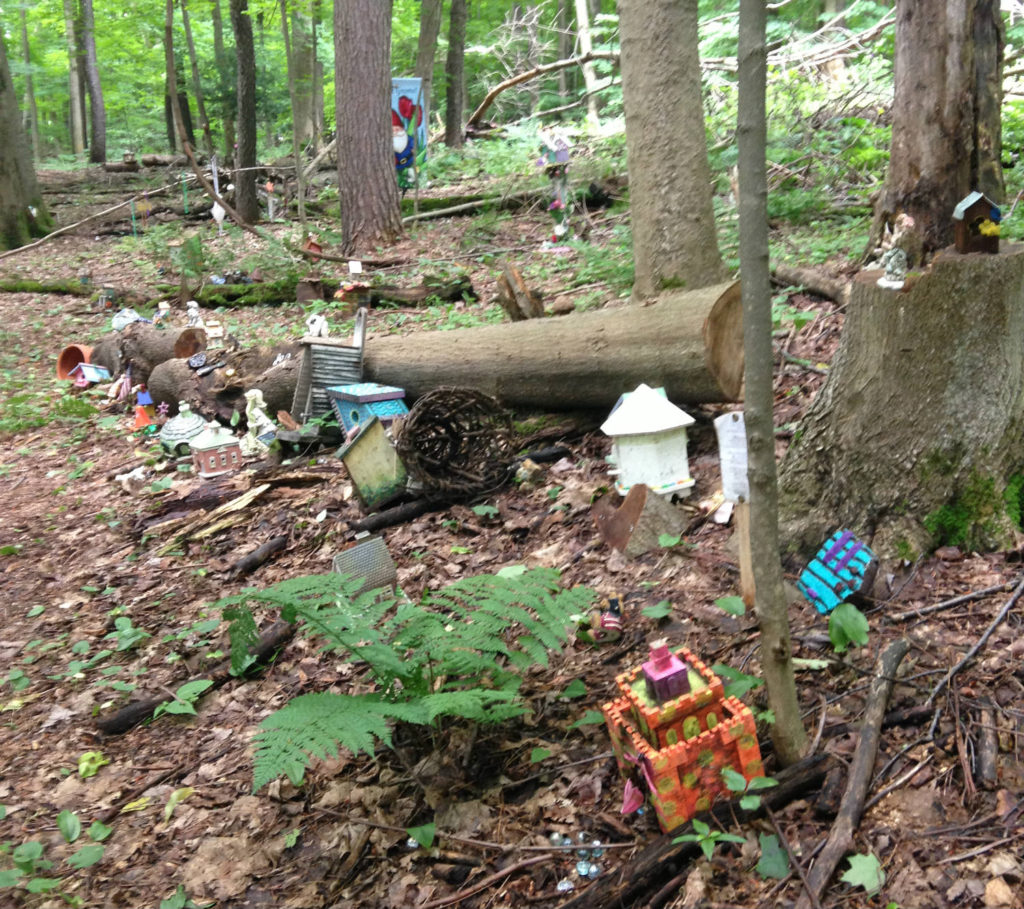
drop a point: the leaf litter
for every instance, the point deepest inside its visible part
(75, 561)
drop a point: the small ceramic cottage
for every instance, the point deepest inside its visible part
(976, 227)
(215, 451)
(649, 443)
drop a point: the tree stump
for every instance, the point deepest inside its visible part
(917, 435)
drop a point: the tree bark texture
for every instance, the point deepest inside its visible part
(367, 188)
(23, 214)
(689, 342)
(674, 242)
(946, 132)
(426, 50)
(776, 650)
(455, 74)
(921, 421)
(289, 53)
(77, 121)
(246, 202)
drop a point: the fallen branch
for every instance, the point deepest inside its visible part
(813, 280)
(136, 712)
(663, 859)
(485, 883)
(541, 70)
(840, 839)
(981, 642)
(947, 604)
(251, 561)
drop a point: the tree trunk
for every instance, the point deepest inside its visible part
(564, 49)
(426, 50)
(31, 111)
(917, 435)
(775, 647)
(303, 62)
(74, 80)
(246, 202)
(289, 56)
(172, 96)
(589, 73)
(674, 242)
(367, 188)
(689, 342)
(946, 133)
(220, 59)
(23, 214)
(455, 74)
(197, 88)
(98, 120)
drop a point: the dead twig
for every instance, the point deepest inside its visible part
(947, 604)
(485, 883)
(979, 644)
(794, 861)
(840, 839)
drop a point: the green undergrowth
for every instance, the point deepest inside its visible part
(458, 654)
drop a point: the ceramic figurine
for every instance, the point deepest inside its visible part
(895, 262)
(665, 675)
(316, 326)
(261, 429)
(195, 320)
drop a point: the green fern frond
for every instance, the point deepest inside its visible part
(459, 653)
(316, 724)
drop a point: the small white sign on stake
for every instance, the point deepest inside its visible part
(732, 447)
(355, 267)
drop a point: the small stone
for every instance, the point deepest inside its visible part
(565, 885)
(412, 843)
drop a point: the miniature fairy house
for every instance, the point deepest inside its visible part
(215, 451)
(355, 404)
(649, 443)
(976, 227)
(677, 747)
(179, 430)
(86, 374)
(374, 466)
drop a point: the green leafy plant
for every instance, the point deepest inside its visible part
(733, 605)
(658, 611)
(847, 625)
(89, 763)
(707, 838)
(737, 683)
(184, 698)
(774, 861)
(458, 653)
(424, 834)
(737, 783)
(865, 871)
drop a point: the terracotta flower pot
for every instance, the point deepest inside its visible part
(70, 357)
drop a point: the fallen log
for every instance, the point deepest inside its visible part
(813, 280)
(25, 286)
(690, 342)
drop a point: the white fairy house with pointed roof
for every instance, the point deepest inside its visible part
(649, 443)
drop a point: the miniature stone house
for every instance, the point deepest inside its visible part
(976, 224)
(215, 451)
(649, 443)
(678, 747)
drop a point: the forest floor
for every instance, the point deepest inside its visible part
(101, 606)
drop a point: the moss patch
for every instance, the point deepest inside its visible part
(976, 518)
